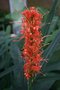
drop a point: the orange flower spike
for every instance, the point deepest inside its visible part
(31, 24)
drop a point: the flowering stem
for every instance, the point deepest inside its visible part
(31, 27)
(29, 84)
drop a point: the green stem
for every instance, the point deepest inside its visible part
(29, 84)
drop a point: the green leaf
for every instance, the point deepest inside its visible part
(18, 72)
(42, 10)
(51, 38)
(45, 82)
(56, 85)
(50, 17)
(50, 50)
(54, 62)
(8, 30)
(10, 69)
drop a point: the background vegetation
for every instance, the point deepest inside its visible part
(11, 63)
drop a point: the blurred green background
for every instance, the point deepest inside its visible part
(11, 63)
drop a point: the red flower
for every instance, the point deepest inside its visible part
(35, 68)
(32, 52)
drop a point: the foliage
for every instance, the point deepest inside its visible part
(11, 63)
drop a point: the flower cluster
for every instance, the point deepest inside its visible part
(32, 53)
